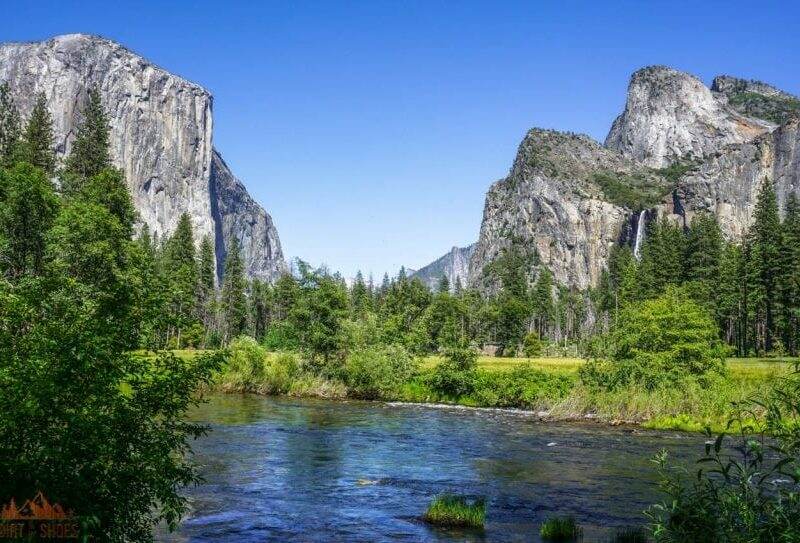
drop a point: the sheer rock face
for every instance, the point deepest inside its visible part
(237, 215)
(161, 137)
(550, 203)
(671, 115)
(728, 182)
(454, 265)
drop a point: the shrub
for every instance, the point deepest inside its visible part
(560, 529)
(524, 386)
(375, 372)
(456, 511)
(658, 343)
(245, 367)
(532, 345)
(741, 492)
(455, 375)
(279, 373)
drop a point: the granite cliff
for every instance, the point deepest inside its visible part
(678, 148)
(161, 138)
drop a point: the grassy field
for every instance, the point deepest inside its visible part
(753, 368)
(552, 385)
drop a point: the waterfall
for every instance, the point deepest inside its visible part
(637, 245)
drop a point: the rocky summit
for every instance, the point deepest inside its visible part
(161, 138)
(679, 148)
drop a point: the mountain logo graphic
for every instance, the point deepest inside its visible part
(38, 508)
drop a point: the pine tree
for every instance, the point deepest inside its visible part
(9, 127)
(36, 146)
(789, 279)
(662, 258)
(206, 294)
(233, 298)
(444, 284)
(360, 300)
(728, 295)
(765, 240)
(90, 151)
(180, 265)
(542, 302)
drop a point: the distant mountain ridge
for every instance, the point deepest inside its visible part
(454, 265)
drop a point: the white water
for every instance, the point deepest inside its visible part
(637, 246)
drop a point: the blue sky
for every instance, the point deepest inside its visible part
(371, 130)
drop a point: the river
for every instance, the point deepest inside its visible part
(282, 469)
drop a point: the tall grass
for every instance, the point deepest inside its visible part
(561, 529)
(456, 511)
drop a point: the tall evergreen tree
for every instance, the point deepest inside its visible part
(9, 127)
(765, 241)
(360, 299)
(542, 302)
(233, 297)
(206, 294)
(90, 151)
(36, 146)
(444, 284)
(789, 279)
(180, 265)
(662, 258)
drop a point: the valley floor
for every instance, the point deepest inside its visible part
(551, 387)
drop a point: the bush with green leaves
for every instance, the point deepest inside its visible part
(524, 386)
(532, 345)
(658, 343)
(245, 367)
(457, 374)
(375, 372)
(746, 487)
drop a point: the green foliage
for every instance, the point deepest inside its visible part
(745, 486)
(36, 147)
(560, 529)
(9, 127)
(251, 368)
(633, 191)
(376, 372)
(658, 343)
(28, 206)
(233, 298)
(524, 387)
(90, 151)
(317, 316)
(81, 419)
(456, 375)
(776, 109)
(532, 345)
(456, 511)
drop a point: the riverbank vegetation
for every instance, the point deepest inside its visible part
(453, 511)
(560, 529)
(85, 422)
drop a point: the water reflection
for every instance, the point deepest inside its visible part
(310, 470)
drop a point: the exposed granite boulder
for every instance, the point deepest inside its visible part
(671, 115)
(161, 137)
(454, 265)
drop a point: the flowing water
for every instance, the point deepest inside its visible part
(280, 469)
